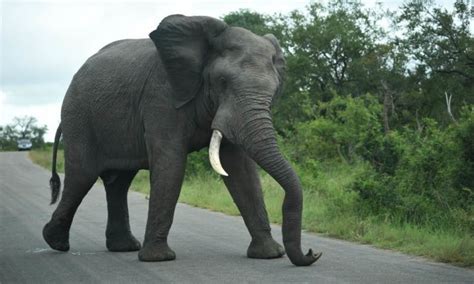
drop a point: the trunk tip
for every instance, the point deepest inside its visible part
(307, 259)
(315, 256)
(311, 258)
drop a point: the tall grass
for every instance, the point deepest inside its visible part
(43, 157)
(329, 209)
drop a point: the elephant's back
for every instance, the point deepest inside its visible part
(125, 53)
(110, 81)
(104, 97)
(120, 64)
(117, 70)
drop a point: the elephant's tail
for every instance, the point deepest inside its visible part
(55, 181)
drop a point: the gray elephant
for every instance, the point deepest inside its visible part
(145, 104)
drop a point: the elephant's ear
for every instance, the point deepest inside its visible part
(279, 61)
(183, 44)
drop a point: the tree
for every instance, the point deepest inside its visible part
(253, 21)
(22, 127)
(338, 48)
(8, 138)
(441, 45)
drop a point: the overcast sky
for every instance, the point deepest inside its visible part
(43, 43)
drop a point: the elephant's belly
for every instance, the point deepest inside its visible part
(122, 150)
(125, 164)
(120, 143)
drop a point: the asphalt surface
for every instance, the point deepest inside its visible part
(210, 246)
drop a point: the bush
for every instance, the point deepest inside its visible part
(422, 176)
(376, 194)
(197, 164)
(464, 133)
(429, 181)
(344, 129)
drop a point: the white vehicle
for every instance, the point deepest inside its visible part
(24, 144)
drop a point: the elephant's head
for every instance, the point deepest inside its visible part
(235, 75)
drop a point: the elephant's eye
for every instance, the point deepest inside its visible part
(222, 82)
(273, 58)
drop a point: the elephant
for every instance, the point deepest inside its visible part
(137, 104)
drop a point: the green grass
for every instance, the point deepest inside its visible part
(328, 209)
(43, 157)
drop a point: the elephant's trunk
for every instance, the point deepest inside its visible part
(257, 137)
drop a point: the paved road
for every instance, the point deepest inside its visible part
(210, 246)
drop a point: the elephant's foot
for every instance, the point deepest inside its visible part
(121, 243)
(56, 236)
(265, 248)
(156, 252)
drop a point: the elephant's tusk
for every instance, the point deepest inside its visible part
(214, 147)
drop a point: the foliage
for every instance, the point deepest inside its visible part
(247, 19)
(464, 134)
(198, 164)
(395, 109)
(441, 44)
(421, 177)
(24, 127)
(430, 181)
(342, 129)
(332, 49)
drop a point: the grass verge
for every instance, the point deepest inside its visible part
(328, 209)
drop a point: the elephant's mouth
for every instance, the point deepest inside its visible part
(214, 147)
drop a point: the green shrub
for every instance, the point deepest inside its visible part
(376, 194)
(421, 176)
(464, 133)
(429, 180)
(344, 129)
(197, 163)
(316, 139)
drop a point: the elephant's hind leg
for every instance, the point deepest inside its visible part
(118, 233)
(76, 185)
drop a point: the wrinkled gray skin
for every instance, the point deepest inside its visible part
(146, 104)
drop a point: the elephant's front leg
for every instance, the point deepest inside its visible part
(167, 165)
(244, 185)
